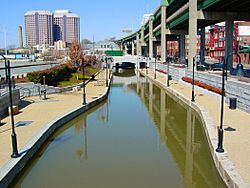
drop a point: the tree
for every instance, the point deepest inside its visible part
(75, 52)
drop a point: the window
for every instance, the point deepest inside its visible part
(216, 35)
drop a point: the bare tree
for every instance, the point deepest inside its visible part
(76, 53)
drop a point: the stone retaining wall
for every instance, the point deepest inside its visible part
(5, 100)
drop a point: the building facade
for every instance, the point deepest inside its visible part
(43, 28)
(241, 38)
(38, 28)
(66, 26)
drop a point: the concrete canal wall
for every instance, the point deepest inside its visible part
(224, 166)
(10, 171)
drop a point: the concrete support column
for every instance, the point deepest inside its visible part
(182, 51)
(202, 45)
(133, 48)
(229, 43)
(151, 43)
(163, 33)
(126, 48)
(142, 38)
(192, 31)
(138, 47)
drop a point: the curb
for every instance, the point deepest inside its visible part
(225, 167)
(14, 166)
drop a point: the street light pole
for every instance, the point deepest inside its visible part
(83, 83)
(168, 84)
(193, 96)
(147, 66)
(106, 71)
(15, 153)
(155, 67)
(220, 129)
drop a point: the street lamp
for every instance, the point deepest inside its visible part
(147, 64)
(83, 83)
(169, 77)
(220, 129)
(76, 65)
(15, 153)
(193, 96)
(106, 59)
(155, 67)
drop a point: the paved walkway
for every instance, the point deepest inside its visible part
(237, 139)
(40, 112)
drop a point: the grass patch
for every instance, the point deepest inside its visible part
(73, 80)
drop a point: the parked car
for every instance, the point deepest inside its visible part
(214, 66)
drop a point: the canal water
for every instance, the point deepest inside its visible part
(138, 138)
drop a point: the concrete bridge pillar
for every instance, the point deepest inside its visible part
(142, 39)
(182, 51)
(163, 32)
(126, 48)
(192, 31)
(138, 46)
(151, 37)
(133, 48)
(229, 43)
(202, 45)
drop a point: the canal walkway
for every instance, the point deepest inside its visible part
(37, 113)
(237, 131)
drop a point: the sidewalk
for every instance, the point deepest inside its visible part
(236, 123)
(38, 113)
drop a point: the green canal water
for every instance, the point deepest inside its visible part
(138, 138)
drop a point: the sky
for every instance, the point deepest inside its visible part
(99, 18)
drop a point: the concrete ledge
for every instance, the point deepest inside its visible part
(225, 167)
(12, 168)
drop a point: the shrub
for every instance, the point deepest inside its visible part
(52, 76)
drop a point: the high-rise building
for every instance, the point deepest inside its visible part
(38, 28)
(66, 26)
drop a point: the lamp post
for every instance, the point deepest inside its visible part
(15, 153)
(83, 83)
(193, 96)
(147, 63)
(220, 129)
(76, 65)
(107, 71)
(168, 84)
(155, 68)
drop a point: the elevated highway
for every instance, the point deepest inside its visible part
(174, 19)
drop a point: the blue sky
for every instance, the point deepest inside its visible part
(99, 18)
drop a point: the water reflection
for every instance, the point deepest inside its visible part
(82, 153)
(184, 137)
(140, 137)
